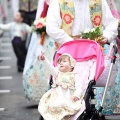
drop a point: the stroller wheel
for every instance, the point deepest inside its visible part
(83, 117)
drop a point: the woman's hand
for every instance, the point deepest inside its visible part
(75, 98)
(76, 37)
(104, 41)
(42, 57)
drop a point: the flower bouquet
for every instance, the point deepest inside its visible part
(39, 26)
(93, 34)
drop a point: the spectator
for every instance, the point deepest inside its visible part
(18, 32)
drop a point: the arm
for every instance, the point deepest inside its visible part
(52, 70)
(78, 87)
(6, 26)
(109, 22)
(53, 24)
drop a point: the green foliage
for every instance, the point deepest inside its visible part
(93, 34)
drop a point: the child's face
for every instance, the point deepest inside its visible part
(64, 65)
(18, 17)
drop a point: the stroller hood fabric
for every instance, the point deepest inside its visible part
(83, 50)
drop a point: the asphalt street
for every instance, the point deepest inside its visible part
(13, 100)
(11, 87)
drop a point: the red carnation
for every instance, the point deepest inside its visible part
(97, 20)
(39, 25)
(67, 18)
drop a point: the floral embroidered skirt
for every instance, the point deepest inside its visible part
(58, 104)
(35, 79)
(112, 101)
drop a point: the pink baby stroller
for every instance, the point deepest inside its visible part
(87, 51)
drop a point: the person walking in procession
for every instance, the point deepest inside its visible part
(68, 19)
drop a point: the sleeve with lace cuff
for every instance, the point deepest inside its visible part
(48, 66)
(78, 87)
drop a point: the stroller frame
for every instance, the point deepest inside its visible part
(91, 113)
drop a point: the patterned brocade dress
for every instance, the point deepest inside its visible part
(57, 103)
(112, 101)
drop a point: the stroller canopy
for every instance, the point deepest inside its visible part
(83, 50)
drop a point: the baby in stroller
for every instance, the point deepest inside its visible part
(65, 98)
(84, 64)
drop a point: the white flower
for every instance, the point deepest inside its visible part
(87, 30)
(36, 22)
(41, 20)
(92, 30)
(44, 23)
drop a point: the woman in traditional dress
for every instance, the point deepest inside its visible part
(34, 51)
(71, 18)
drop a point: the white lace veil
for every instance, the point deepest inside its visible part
(112, 5)
(34, 44)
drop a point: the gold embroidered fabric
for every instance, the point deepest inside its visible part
(28, 5)
(67, 12)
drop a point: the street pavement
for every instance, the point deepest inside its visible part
(14, 102)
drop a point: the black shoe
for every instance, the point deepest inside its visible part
(20, 70)
(41, 118)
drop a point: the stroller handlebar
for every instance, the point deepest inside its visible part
(114, 47)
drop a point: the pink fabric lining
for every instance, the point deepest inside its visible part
(83, 50)
(118, 40)
(113, 8)
(115, 14)
(79, 113)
